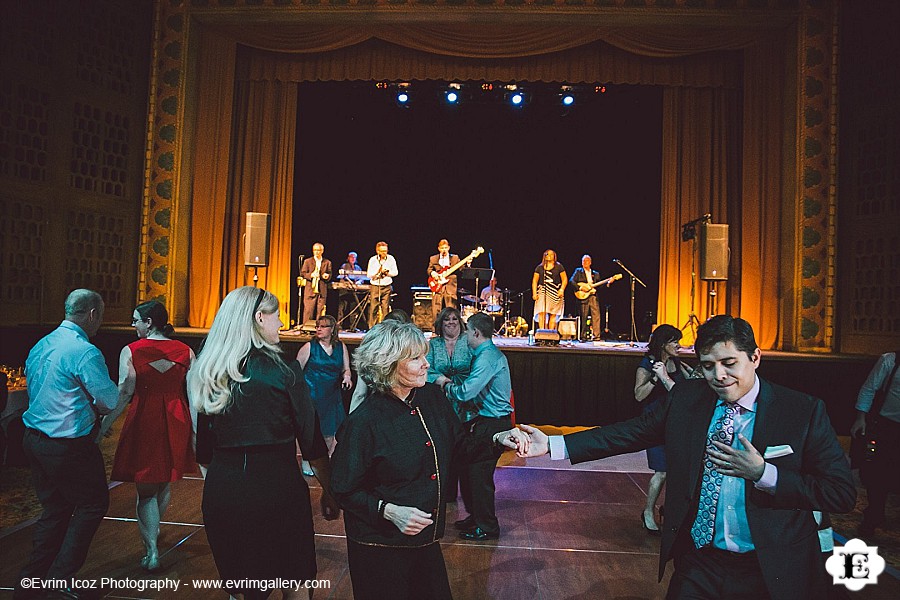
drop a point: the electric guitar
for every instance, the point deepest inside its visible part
(437, 283)
(586, 290)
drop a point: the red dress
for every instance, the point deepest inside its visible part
(155, 444)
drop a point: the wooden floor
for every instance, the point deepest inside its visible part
(566, 533)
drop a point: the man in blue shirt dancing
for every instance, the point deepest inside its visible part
(68, 388)
(489, 388)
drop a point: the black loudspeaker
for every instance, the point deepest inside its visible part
(421, 315)
(713, 252)
(256, 240)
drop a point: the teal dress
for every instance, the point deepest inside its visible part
(456, 367)
(323, 375)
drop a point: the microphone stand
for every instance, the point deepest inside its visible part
(299, 294)
(633, 279)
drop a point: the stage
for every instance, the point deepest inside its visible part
(575, 383)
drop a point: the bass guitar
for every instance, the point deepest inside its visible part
(584, 290)
(436, 284)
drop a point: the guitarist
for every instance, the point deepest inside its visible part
(582, 279)
(446, 295)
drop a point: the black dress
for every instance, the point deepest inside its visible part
(256, 505)
(656, 456)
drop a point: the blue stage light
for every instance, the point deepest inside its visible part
(568, 99)
(516, 99)
(402, 98)
(452, 97)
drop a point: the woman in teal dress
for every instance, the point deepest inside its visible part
(326, 368)
(449, 355)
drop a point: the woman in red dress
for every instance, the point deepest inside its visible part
(155, 444)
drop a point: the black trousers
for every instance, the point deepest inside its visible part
(379, 299)
(590, 305)
(879, 476)
(715, 574)
(476, 479)
(379, 572)
(70, 481)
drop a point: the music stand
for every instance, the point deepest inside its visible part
(477, 275)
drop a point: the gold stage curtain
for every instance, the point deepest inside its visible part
(211, 148)
(375, 60)
(700, 174)
(262, 181)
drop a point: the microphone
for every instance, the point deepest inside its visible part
(706, 217)
(616, 260)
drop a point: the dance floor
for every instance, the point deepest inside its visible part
(567, 532)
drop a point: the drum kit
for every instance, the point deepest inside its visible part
(495, 305)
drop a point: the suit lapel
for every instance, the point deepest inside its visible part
(697, 434)
(765, 408)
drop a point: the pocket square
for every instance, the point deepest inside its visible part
(776, 451)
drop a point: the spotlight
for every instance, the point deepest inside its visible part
(403, 96)
(453, 93)
(567, 99)
(516, 99)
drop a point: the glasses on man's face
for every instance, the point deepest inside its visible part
(322, 326)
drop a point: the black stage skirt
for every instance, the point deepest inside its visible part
(258, 517)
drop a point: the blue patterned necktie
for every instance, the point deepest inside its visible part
(702, 529)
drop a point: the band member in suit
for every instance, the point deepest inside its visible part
(316, 273)
(381, 271)
(446, 296)
(348, 299)
(582, 279)
(767, 457)
(548, 288)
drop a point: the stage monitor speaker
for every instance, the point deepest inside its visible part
(421, 315)
(256, 240)
(546, 337)
(714, 252)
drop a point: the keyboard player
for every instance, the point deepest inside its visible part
(350, 299)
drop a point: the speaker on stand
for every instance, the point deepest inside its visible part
(714, 258)
(256, 242)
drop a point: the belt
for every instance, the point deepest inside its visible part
(41, 434)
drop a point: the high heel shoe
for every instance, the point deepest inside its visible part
(646, 527)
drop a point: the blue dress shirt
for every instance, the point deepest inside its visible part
(68, 384)
(488, 384)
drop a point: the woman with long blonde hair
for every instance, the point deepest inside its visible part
(256, 504)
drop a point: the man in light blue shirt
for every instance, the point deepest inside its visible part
(68, 388)
(489, 388)
(748, 463)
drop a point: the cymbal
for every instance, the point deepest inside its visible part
(472, 299)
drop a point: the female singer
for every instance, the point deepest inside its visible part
(548, 287)
(659, 371)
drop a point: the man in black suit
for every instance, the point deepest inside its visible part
(748, 530)
(316, 274)
(582, 280)
(446, 295)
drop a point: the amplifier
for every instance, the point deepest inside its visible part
(421, 293)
